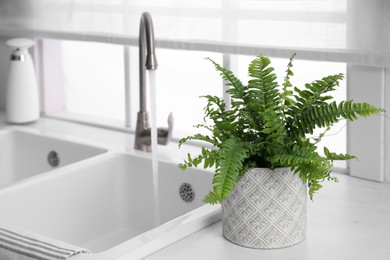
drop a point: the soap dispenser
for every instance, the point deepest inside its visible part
(22, 99)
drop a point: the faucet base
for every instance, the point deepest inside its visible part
(142, 135)
(143, 139)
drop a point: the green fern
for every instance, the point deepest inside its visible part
(268, 126)
(237, 88)
(230, 164)
(325, 114)
(313, 94)
(337, 157)
(212, 198)
(262, 91)
(286, 94)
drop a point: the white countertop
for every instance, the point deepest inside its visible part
(347, 220)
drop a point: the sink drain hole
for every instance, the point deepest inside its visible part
(187, 193)
(53, 159)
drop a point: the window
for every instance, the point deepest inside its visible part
(93, 79)
(84, 80)
(93, 88)
(181, 78)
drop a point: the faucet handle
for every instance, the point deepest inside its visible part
(165, 133)
(170, 124)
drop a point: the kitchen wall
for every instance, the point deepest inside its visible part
(4, 58)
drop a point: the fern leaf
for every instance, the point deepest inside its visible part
(262, 88)
(290, 160)
(325, 115)
(237, 88)
(210, 157)
(274, 131)
(212, 198)
(231, 160)
(349, 109)
(314, 186)
(261, 93)
(191, 162)
(313, 93)
(286, 93)
(337, 157)
(286, 84)
(298, 155)
(198, 137)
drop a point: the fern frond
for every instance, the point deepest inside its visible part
(260, 94)
(314, 174)
(224, 121)
(274, 131)
(286, 93)
(198, 137)
(289, 160)
(306, 162)
(262, 91)
(204, 126)
(212, 198)
(298, 154)
(286, 82)
(191, 162)
(313, 186)
(313, 93)
(237, 88)
(325, 115)
(337, 157)
(210, 157)
(230, 166)
(349, 109)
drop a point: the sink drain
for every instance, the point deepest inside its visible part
(187, 193)
(53, 159)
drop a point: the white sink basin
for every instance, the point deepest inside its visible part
(23, 154)
(106, 205)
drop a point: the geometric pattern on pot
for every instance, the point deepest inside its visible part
(266, 209)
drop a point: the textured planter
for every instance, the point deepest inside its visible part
(266, 209)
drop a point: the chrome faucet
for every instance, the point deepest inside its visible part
(147, 61)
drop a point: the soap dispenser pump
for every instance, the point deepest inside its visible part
(22, 99)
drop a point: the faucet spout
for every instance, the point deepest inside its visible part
(147, 61)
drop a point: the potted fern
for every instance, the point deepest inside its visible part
(263, 155)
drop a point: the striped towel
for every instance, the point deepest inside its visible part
(16, 244)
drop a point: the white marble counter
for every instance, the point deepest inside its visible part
(349, 220)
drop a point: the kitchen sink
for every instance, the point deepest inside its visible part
(24, 155)
(107, 205)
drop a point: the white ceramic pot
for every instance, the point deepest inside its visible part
(266, 209)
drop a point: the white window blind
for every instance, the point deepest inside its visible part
(354, 31)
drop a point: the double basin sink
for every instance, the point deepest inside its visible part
(98, 199)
